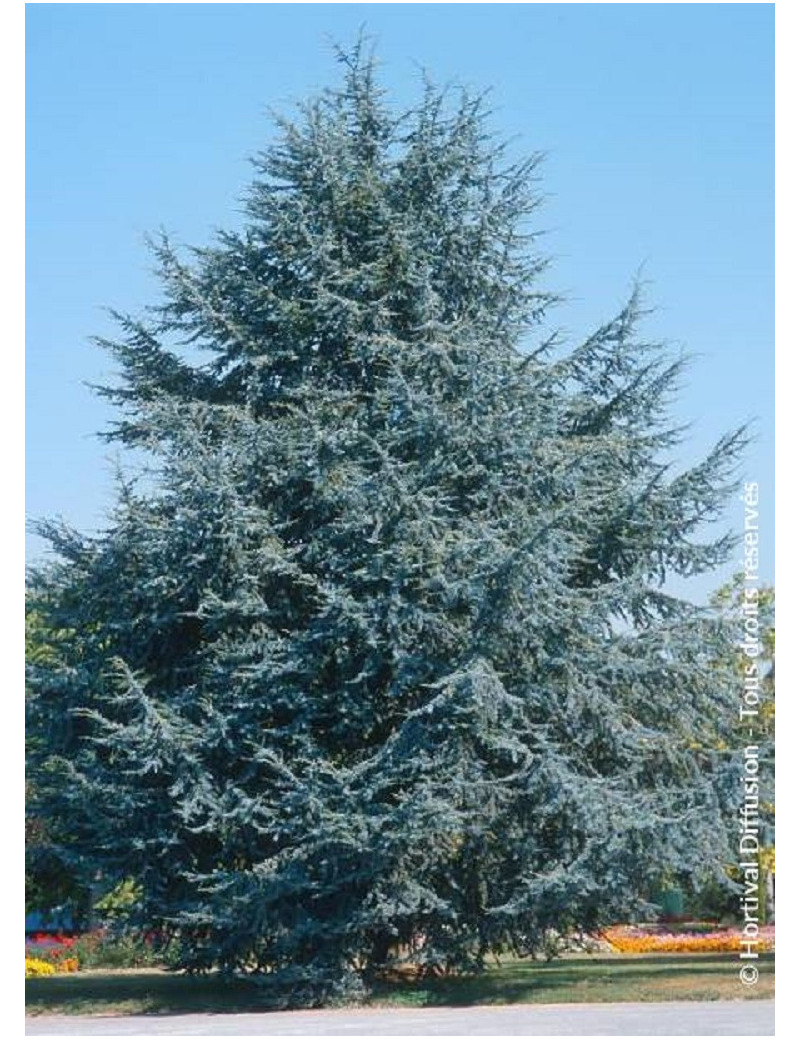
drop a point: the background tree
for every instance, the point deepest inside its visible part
(376, 661)
(51, 880)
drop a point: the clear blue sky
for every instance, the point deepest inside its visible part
(657, 121)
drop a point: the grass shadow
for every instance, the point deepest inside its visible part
(603, 979)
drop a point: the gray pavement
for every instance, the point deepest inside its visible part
(676, 1018)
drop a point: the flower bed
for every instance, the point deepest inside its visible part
(49, 955)
(35, 967)
(97, 949)
(636, 939)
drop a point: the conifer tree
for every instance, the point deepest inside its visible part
(376, 662)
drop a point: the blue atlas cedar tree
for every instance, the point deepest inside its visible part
(377, 662)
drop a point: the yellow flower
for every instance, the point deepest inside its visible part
(34, 967)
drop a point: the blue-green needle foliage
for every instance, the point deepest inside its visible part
(376, 663)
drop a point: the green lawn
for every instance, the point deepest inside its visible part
(580, 979)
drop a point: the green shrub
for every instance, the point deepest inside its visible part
(102, 949)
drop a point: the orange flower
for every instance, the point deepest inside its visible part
(628, 939)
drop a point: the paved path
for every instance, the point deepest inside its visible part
(677, 1018)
